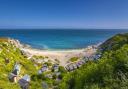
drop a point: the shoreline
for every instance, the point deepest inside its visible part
(63, 56)
(27, 46)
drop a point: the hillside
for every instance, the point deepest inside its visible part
(13, 60)
(109, 72)
(115, 42)
(9, 55)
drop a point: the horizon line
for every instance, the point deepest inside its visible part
(64, 28)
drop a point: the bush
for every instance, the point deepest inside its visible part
(73, 59)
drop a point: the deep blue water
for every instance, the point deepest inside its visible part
(60, 39)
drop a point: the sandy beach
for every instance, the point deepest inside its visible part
(62, 55)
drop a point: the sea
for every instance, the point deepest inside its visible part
(60, 38)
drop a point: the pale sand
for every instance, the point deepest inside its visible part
(63, 56)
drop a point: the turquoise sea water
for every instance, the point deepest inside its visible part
(60, 39)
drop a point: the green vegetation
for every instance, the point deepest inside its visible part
(73, 59)
(115, 42)
(9, 55)
(110, 72)
(39, 57)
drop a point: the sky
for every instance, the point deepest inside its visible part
(107, 14)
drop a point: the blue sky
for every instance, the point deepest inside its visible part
(64, 14)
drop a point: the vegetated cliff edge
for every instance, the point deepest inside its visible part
(109, 72)
(9, 55)
(115, 42)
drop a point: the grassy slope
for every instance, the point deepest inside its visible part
(115, 42)
(110, 72)
(8, 51)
